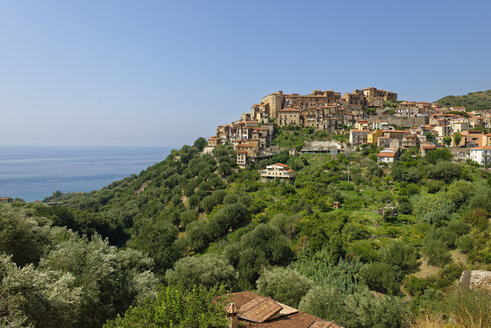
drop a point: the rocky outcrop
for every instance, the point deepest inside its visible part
(476, 279)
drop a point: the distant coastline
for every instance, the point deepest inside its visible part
(35, 172)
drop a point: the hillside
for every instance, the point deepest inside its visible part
(480, 100)
(404, 231)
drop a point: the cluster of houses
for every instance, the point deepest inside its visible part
(368, 116)
(442, 130)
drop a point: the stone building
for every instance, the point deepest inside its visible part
(376, 97)
(289, 116)
(274, 102)
(315, 99)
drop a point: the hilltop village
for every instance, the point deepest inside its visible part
(368, 117)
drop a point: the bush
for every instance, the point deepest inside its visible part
(437, 155)
(416, 286)
(198, 235)
(364, 310)
(399, 254)
(364, 250)
(458, 227)
(176, 307)
(287, 224)
(284, 285)
(323, 302)
(465, 243)
(381, 277)
(263, 246)
(445, 171)
(208, 270)
(436, 251)
(434, 186)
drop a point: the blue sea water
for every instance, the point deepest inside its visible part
(35, 172)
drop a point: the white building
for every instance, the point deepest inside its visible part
(388, 155)
(459, 125)
(481, 155)
(278, 170)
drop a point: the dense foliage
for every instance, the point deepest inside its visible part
(194, 222)
(480, 100)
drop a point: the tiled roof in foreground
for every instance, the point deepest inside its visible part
(263, 312)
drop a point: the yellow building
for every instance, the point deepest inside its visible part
(372, 137)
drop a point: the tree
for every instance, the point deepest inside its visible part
(399, 254)
(381, 277)
(447, 140)
(457, 137)
(157, 240)
(198, 235)
(109, 281)
(208, 270)
(323, 302)
(364, 310)
(287, 224)
(200, 143)
(440, 154)
(32, 298)
(22, 235)
(263, 246)
(176, 307)
(284, 285)
(430, 137)
(436, 251)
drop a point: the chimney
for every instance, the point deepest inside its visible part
(231, 311)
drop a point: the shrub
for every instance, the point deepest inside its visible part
(287, 224)
(416, 286)
(436, 251)
(365, 310)
(458, 227)
(380, 277)
(465, 243)
(198, 235)
(434, 186)
(284, 285)
(364, 250)
(208, 270)
(176, 307)
(399, 254)
(323, 302)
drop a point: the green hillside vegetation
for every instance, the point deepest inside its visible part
(196, 223)
(480, 100)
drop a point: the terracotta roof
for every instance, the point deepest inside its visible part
(282, 165)
(259, 309)
(241, 152)
(324, 324)
(428, 146)
(386, 154)
(290, 318)
(482, 148)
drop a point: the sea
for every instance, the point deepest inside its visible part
(35, 172)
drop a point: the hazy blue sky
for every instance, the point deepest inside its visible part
(166, 72)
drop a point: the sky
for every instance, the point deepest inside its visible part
(163, 73)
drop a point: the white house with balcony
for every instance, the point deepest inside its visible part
(481, 155)
(277, 171)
